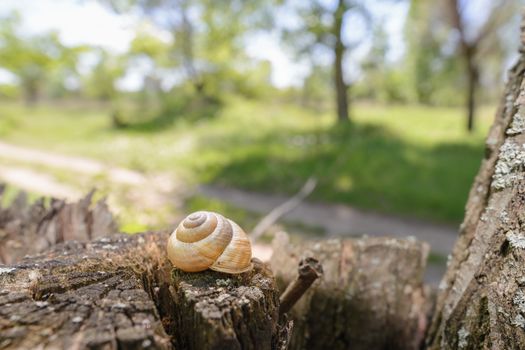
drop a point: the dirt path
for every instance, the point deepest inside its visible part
(30, 180)
(336, 220)
(75, 164)
(342, 220)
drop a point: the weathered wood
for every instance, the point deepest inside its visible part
(370, 296)
(121, 292)
(27, 229)
(481, 301)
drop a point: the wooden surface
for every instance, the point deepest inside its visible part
(370, 296)
(121, 293)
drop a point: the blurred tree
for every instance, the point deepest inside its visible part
(454, 46)
(147, 44)
(472, 36)
(33, 59)
(206, 37)
(101, 82)
(324, 23)
(65, 79)
(341, 89)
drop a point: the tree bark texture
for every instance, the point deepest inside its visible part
(481, 301)
(370, 296)
(122, 293)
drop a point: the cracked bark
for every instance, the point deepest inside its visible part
(480, 303)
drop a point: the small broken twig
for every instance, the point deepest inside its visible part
(309, 270)
(283, 208)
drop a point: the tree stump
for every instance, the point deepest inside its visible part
(481, 301)
(371, 295)
(121, 292)
(27, 229)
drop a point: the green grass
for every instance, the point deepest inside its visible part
(411, 160)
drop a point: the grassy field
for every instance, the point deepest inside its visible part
(411, 160)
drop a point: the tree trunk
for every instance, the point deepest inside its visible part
(468, 50)
(30, 93)
(341, 89)
(370, 297)
(481, 301)
(472, 81)
(121, 292)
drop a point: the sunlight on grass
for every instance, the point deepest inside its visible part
(412, 160)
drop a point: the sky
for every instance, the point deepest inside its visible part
(88, 22)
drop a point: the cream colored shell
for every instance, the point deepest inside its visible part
(209, 240)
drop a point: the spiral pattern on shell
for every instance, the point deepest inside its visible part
(209, 240)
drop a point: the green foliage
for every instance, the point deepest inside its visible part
(101, 83)
(207, 42)
(320, 27)
(181, 104)
(8, 122)
(317, 89)
(434, 58)
(34, 59)
(9, 92)
(382, 80)
(149, 45)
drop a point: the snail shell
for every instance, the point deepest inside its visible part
(209, 240)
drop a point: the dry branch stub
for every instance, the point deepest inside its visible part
(371, 294)
(309, 270)
(121, 292)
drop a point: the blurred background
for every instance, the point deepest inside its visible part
(170, 106)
